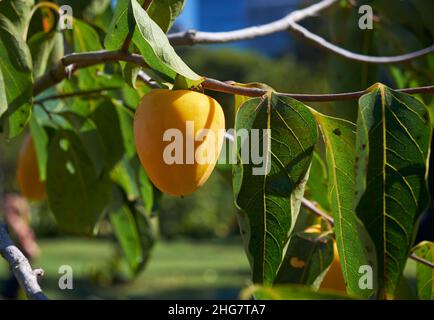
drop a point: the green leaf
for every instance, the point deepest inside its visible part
(125, 229)
(3, 98)
(76, 195)
(108, 125)
(424, 273)
(307, 259)
(146, 191)
(352, 241)
(40, 141)
(291, 292)
(317, 183)
(120, 26)
(131, 71)
(126, 125)
(86, 39)
(270, 202)
(393, 139)
(124, 175)
(41, 46)
(164, 12)
(16, 67)
(18, 12)
(156, 49)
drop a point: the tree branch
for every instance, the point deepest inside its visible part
(74, 61)
(309, 205)
(324, 44)
(192, 37)
(26, 276)
(289, 22)
(81, 60)
(415, 257)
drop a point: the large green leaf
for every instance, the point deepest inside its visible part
(270, 201)
(135, 236)
(16, 67)
(291, 292)
(120, 26)
(107, 122)
(42, 45)
(353, 245)
(164, 12)
(146, 191)
(18, 12)
(317, 183)
(156, 49)
(307, 259)
(393, 138)
(124, 175)
(76, 194)
(424, 273)
(40, 141)
(86, 39)
(126, 125)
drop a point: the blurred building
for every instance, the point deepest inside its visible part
(225, 15)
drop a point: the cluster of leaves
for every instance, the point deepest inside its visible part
(84, 143)
(377, 189)
(374, 170)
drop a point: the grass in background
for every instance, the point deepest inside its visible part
(177, 270)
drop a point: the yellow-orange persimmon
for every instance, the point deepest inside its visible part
(178, 136)
(28, 179)
(334, 279)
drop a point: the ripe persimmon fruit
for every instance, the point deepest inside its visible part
(28, 178)
(178, 136)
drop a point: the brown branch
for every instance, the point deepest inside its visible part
(129, 37)
(324, 44)
(216, 85)
(195, 37)
(421, 260)
(289, 23)
(314, 209)
(81, 60)
(26, 276)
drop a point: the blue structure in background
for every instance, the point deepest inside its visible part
(225, 15)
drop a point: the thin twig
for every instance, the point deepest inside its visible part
(314, 209)
(75, 94)
(421, 260)
(148, 79)
(82, 60)
(129, 37)
(26, 276)
(324, 44)
(195, 37)
(289, 22)
(86, 59)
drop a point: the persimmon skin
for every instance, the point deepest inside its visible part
(161, 110)
(334, 279)
(28, 179)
